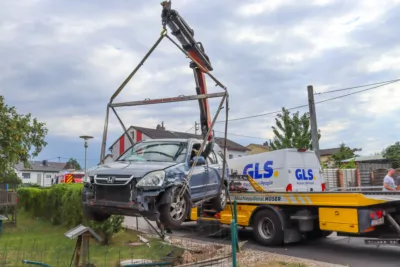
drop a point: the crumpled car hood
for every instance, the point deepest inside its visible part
(136, 168)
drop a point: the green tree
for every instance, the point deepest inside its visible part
(73, 164)
(107, 228)
(392, 153)
(344, 153)
(21, 137)
(292, 131)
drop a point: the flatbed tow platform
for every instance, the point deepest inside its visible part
(285, 217)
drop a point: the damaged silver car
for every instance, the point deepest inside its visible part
(147, 180)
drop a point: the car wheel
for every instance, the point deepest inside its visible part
(173, 214)
(267, 228)
(92, 215)
(219, 203)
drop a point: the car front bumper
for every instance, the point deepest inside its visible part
(121, 200)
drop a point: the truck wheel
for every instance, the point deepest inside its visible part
(219, 203)
(88, 213)
(173, 214)
(267, 228)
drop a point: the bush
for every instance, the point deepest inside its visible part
(61, 205)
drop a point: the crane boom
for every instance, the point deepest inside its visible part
(181, 30)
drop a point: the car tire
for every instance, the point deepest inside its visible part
(267, 228)
(92, 215)
(219, 203)
(174, 213)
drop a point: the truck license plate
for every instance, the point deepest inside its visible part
(382, 241)
(377, 222)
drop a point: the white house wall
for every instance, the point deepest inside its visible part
(235, 153)
(45, 177)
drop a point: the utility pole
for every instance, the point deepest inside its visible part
(313, 118)
(196, 127)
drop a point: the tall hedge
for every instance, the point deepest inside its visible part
(61, 205)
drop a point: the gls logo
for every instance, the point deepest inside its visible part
(254, 170)
(302, 175)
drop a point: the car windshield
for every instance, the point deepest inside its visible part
(162, 151)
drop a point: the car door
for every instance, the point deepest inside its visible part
(215, 173)
(199, 179)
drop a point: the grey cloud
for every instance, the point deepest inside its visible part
(63, 82)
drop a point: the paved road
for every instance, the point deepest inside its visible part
(334, 249)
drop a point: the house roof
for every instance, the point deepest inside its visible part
(162, 134)
(257, 145)
(38, 166)
(328, 151)
(366, 158)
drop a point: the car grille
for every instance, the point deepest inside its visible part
(120, 193)
(117, 179)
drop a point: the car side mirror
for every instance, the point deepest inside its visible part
(200, 161)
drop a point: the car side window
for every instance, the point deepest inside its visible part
(212, 159)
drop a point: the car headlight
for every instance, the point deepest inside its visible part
(152, 179)
(86, 178)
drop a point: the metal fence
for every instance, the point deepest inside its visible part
(331, 177)
(175, 251)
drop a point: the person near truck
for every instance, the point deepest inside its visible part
(398, 179)
(388, 181)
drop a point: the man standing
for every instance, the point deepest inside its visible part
(398, 179)
(388, 181)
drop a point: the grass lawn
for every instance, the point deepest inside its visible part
(38, 240)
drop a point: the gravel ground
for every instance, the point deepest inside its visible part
(201, 251)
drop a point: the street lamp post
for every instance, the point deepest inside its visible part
(86, 138)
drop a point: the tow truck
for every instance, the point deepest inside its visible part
(278, 218)
(275, 217)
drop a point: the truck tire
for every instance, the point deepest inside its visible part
(267, 228)
(219, 203)
(92, 215)
(173, 214)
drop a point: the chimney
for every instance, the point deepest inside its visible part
(160, 127)
(44, 162)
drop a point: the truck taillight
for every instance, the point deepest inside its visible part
(302, 150)
(379, 214)
(376, 214)
(323, 187)
(289, 188)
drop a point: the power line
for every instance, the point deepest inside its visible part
(359, 86)
(360, 91)
(190, 128)
(242, 135)
(317, 102)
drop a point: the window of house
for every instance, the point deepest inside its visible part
(26, 175)
(48, 175)
(133, 136)
(230, 156)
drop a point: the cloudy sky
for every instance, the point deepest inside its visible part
(62, 60)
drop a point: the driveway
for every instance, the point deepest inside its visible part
(333, 249)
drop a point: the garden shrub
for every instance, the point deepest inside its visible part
(61, 204)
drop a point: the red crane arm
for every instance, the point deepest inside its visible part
(181, 30)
